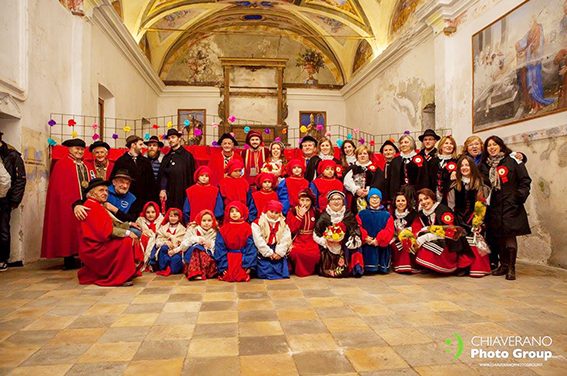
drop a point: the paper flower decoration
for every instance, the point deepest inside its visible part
(349, 136)
(214, 143)
(284, 131)
(303, 129)
(114, 136)
(169, 124)
(127, 128)
(361, 141)
(372, 143)
(231, 119)
(232, 134)
(155, 126)
(94, 126)
(96, 136)
(51, 122)
(246, 129)
(74, 134)
(339, 142)
(197, 132)
(278, 139)
(328, 134)
(186, 122)
(319, 127)
(214, 125)
(71, 122)
(407, 132)
(51, 142)
(267, 131)
(356, 131)
(164, 136)
(147, 136)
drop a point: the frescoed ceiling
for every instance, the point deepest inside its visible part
(178, 33)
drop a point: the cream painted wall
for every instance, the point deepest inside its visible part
(64, 57)
(392, 101)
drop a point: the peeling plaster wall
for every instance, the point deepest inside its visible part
(547, 156)
(392, 102)
(65, 58)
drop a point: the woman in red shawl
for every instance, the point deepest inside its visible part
(107, 254)
(235, 252)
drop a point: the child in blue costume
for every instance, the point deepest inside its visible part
(377, 227)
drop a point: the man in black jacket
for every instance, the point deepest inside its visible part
(14, 164)
(176, 171)
(144, 185)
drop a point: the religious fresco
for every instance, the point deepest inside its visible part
(363, 55)
(198, 62)
(402, 13)
(520, 65)
(174, 21)
(332, 27)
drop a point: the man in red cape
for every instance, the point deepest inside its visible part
(107, 252)
(68, 177)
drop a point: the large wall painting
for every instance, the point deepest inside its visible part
(520, 65)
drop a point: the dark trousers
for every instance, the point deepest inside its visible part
(5, 214)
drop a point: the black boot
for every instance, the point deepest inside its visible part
(504, 262)
(70, 263)
(512, 253)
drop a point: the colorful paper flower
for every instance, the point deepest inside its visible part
(246, 129)
(186, 122)
(197, 132)
(51, 122)
(356, 130)
(361, 141)
(278, 139)
(115, 136)
(328, 134)
(94, 126)
(127, 128)
(303, 129)
(349, 136)
(231, 119)
(96, 136)
(339, 142)
(155, 126)
(372, 143)
(214, 125)
(284, 131)
(169, 124)
(267, 131)
(214, 143)
(319, 127)
(147, 136)
(74, 134)
(164, 136)
(51, 142)
(71, 122)
(407, 132)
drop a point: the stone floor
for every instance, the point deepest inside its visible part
(379, 325)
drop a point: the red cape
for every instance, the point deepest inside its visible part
(106, 261)
(60, 227)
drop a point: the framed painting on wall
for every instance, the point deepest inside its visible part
(315, 123)
(520, 65)
(191, 123)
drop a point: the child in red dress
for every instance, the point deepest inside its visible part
(325, 183)
(202, 196)
(289, 188)
(234, 187)
(265, 193)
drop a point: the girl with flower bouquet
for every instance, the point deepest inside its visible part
(362, 176)
(441, 242)
(468, 200)
(338, 235)
(377, 227)
(406, 227)
(442, 168)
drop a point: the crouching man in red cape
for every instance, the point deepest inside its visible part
(107, 252)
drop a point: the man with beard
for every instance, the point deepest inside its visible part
(139, 168)
(176, 172)
(253, 157)
(101, 165)
(428, 140)
(154, 154)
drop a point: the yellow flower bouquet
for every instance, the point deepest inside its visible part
(334, 233)
(479, 213)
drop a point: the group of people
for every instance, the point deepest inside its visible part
(267, 212)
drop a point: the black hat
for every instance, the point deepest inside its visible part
(96, 182)
(229, 136)
(132, 139)
(74, 142)
(391, 143)
(173, 132)
(429, 132)
(98, 144)
(154, 139)
(122, 173)
(308, 138)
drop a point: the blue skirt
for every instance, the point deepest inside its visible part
(269, 269)
(376, 259)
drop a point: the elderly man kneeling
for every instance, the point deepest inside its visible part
(107, 253)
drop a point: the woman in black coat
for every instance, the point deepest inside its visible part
(506, 217)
